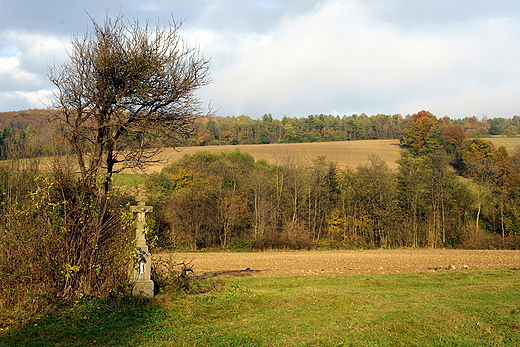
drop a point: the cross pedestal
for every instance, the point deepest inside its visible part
(141, 271)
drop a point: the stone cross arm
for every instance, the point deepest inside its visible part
(141, 205)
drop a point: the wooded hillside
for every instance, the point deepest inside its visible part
(446, 191)
(28, 133)
(439, 188)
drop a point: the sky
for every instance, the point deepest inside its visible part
(294, 58)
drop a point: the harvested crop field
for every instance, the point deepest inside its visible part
(301, 263)
(346, 154)
(510, 143)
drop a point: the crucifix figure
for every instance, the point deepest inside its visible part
(141, 274)
(140, 223)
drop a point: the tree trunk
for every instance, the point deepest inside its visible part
(478, 217)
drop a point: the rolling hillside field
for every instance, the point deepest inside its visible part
(510, 143)
(346, 154)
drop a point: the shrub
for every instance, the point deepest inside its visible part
(59, 238)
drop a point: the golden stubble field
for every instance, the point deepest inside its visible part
(346, 154)
(512, 144)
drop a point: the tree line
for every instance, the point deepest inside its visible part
(448, 191)
(25, 134)
(29, 134)
(322, 128)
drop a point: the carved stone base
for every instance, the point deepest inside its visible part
(143, 288)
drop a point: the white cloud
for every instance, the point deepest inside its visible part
(13, 76)
(8, 63)
(201, 38)
(17, 100)
(298, 57)
(23, 68)
(341, 57)
(26, 70)
(36, 50)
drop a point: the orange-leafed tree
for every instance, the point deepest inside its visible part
(452, 137)
(418, 131)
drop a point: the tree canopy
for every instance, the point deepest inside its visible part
(127, 89)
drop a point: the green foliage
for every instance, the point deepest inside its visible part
(433, 196)
(59, 238)
(423, 133)
(201, 198)
(130, 180)
(221, 200)
(313, 128)
(480, 158)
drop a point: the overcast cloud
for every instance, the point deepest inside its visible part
(299, 57)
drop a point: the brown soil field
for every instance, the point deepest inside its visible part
(346, 154)
(355, 262)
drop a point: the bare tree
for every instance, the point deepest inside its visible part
(127, 90)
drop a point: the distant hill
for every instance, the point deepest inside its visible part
(346, 154)
(22, 119)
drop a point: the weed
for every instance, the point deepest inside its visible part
(171, 277)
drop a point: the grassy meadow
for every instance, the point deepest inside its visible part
(445, 308)
(456, 308)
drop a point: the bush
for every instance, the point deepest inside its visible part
(59, 238)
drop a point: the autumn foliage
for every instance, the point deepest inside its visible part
(448, 190)
(228, 200)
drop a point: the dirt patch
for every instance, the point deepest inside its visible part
(303, 263)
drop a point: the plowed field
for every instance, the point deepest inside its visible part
(345, 262)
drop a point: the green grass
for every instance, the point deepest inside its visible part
(464, 308)
(130, 180)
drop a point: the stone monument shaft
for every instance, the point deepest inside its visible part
(143, 284)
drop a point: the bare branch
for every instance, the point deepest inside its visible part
(126, 89)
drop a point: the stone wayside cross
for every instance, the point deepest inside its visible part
(141, 272)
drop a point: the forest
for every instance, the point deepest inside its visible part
(320, 128)
(452, 188)
(29, 133)
(449, 191)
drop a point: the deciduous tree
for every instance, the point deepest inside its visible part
(418, 131)
(126, 89)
